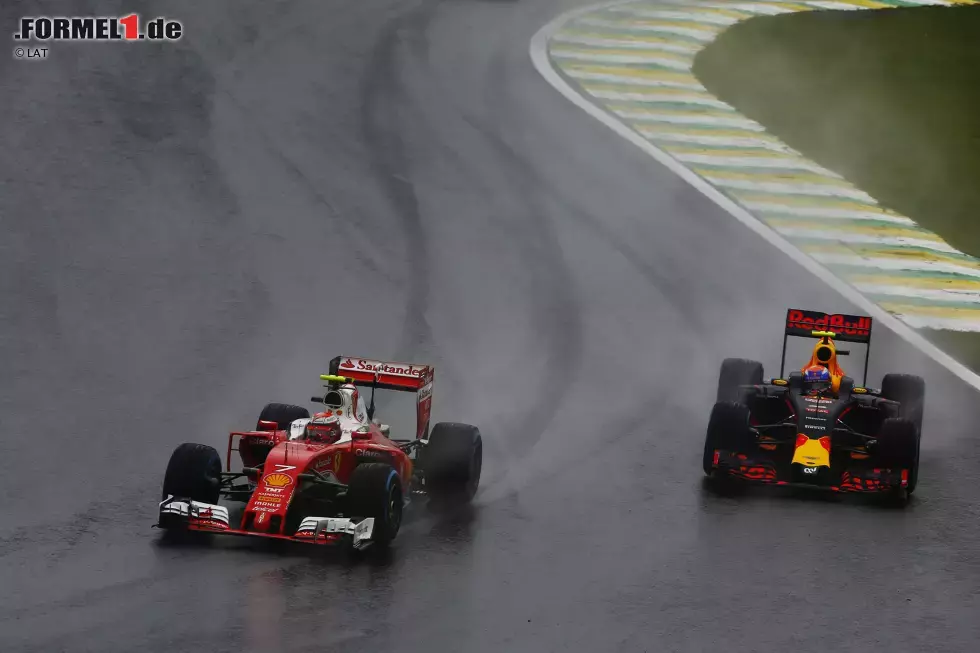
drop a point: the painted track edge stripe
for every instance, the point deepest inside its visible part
(542, 63)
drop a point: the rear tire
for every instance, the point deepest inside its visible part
(194, 471)
(728, 430)
(898, 447)
(910, 392)
(375, 490)
(452, 462)
(737, 372)
(281, 414)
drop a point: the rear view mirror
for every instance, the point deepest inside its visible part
(385, 429)
(265, 425)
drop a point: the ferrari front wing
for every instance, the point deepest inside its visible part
(184, 513)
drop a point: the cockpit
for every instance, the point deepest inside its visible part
(343, 406)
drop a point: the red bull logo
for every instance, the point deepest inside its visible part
(839, 323)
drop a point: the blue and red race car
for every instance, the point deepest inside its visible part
(815, 426)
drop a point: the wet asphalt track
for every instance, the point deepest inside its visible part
(191, 230)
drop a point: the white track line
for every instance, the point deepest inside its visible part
(539, 57)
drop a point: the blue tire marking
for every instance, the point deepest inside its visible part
(392, 475)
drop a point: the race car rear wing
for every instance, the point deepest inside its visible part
(845, 328)
(386, 375)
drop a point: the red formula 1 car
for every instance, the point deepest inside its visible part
(816, 427)
(334, 476)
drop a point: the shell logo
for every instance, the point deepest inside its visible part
(277, 480)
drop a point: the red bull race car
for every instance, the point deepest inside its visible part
(336, 476)
(816, 427)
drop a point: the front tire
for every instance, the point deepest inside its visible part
(910, 392)
(898, 448)
(728, 430)
(452, 461)
(375, 491)
(194, 471)
(734, 373)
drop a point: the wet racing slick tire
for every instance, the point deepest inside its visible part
(898, 447)
(737, 372)
(281, 414)
(375, 490)
(452, 462)
(728, 430)
(194, 471)
(910, 392)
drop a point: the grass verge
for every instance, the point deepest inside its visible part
(889, 99)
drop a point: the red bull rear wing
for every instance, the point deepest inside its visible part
(839, 326)
(846, 328)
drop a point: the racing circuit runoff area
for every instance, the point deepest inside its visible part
(206, 223)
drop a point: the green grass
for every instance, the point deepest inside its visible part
(889, 99)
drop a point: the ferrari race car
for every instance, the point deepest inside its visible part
(816, 427)
(336, 476)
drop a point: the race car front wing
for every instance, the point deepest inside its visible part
(180, 512)
(762, 470)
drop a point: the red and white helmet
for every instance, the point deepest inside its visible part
(323, 429)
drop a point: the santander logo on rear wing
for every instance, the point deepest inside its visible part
(388, 375)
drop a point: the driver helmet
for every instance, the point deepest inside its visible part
(817, 377)
(323, 429)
